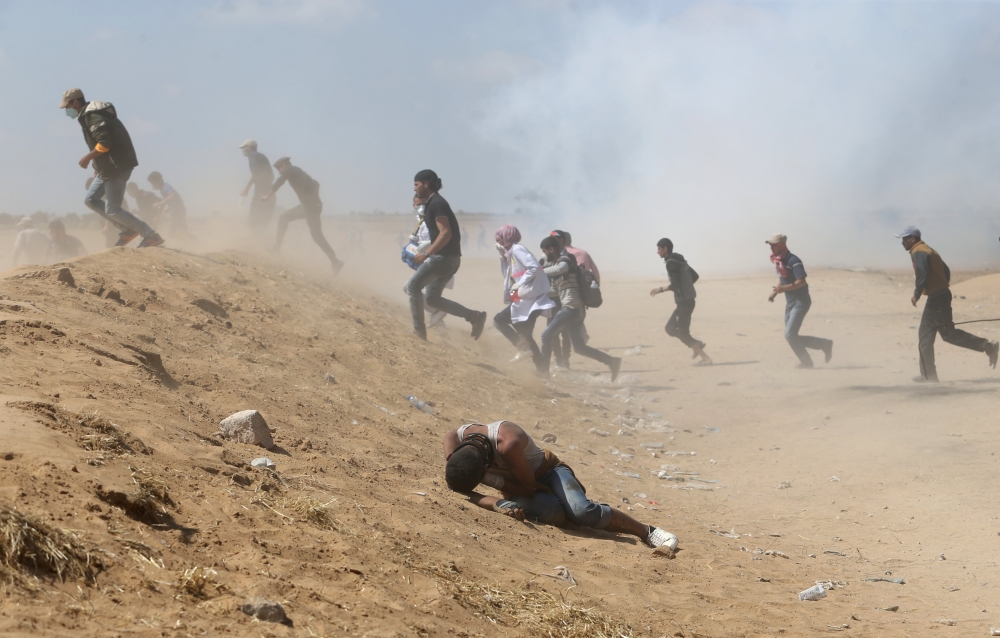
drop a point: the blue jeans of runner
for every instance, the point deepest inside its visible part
(570, 320)
(105, 198)
(568, 502)
(795, 313)
(427, 283)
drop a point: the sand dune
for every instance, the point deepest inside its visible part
(839, 474)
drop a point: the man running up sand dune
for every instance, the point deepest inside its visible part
(933, 279)
(682, 279)
(535, 484)
(792, 282)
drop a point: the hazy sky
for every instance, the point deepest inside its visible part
(715, 123)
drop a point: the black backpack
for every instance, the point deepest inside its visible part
(590, 290)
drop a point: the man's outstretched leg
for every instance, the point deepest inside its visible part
(316, 230)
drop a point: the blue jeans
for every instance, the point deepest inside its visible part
(795, 313)
(427, 283)
(105, 198)
(570, 320)
(567, 503)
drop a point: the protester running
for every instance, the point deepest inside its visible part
(682, 279)
(438, 262)
(933, 278)
(261, 178)
(536, 486)
(310, 207)
(525, 292)
(423, 239)
(113, 156)
(564, 274)
(792, 282)
(145, 203)
(171, 202)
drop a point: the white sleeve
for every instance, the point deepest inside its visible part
(526, 259)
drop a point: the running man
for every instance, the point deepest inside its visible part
(563, 274)
(933, 278)
(171, 201)
(113, 157)
(310, 208)
(261, 178)
(438, 262)
(792, 282)
(682, 279)
(535, 484)
(63, 246)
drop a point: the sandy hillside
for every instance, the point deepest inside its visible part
(113, 390)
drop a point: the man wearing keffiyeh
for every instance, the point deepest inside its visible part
(792, 282)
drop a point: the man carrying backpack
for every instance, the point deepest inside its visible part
(682, 279)
(565, 276)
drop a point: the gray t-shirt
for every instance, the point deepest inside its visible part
(796, 270)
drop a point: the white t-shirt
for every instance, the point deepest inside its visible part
(31, 244)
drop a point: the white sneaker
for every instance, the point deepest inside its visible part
(521, 354)
(659, 537)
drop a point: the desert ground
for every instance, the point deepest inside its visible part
(113, 388)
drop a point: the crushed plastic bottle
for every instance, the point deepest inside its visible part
(813, 593)
(418, 404)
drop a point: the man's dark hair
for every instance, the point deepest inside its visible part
(429, 177)
(665, 243)
(567, 238)
(465, 469)
(57, 223)
(550, 242)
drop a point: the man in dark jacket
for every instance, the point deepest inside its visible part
(682, 278)
(113, 156)
(933, 278)
(310, 207)
(261, 178)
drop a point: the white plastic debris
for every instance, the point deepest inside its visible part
(813, 593)
(263, 463)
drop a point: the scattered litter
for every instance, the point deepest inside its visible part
(761, 579)
(267, 610)
(550, 438)
(330, 378)
(639, 495)
(691, 486)
(995, 631)
(784, 485)
(813, 593)
(598, 432)
(420, 405)
(678, 453)
(631, 352)
(834, 479)
(701, 480)
(419, 493)
(770, 552)
(834, 552)
(561, 573)
(712, 430)
(893, 608)
(263, 463)
(630, 474)
(730, 534)
(831, 584)
(666, 476)
(949, 622)
(651, 446)
(897, 581)
(626, 501)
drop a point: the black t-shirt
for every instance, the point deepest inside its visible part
(436, 207)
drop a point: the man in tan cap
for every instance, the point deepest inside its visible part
(261, 178)
(792, 282)
(113, 157)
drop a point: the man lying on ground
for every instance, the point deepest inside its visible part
(535, 484)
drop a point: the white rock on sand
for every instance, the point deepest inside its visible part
(247, 426)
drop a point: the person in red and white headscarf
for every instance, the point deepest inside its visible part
(792, 282)
(525, 292)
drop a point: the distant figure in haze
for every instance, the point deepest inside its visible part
(438, 262)
(525, 291)
(63, 246)
(682, 279)
(171, 202)
(113, 156)
(792, 282)
(145, 203)
(261, 178)
(933, 278)
(563, 272)
(481, 243)
(30, 242)
(310, 208)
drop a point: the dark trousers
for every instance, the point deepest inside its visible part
(311, 214)
(937, 318)
(519, 333)
(261, 210)
(570, 320)
(679, 324)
